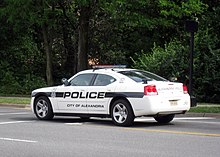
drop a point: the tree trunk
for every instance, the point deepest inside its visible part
(70, 63)
(83, 38)
(48, 49)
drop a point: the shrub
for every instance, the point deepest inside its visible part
(170, 61)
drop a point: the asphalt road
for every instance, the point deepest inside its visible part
(22, 135)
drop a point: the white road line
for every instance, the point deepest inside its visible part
(144, 119)
(5, 114)
(17, 140)
(14, 122)
(77, 124)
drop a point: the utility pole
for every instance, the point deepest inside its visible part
(192, 27)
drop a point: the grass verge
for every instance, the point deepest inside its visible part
(14, 100)
(205, 109)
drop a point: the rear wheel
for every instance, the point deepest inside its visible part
(43, 109)
(165, 118)
(122, 113)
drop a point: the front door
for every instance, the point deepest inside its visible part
(73, 98)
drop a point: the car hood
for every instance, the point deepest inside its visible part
(45, 90)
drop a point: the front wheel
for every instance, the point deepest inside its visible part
(165, 118)
(43, 109)
(122, 113)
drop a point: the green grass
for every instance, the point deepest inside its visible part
(205, 109)
(14, 100)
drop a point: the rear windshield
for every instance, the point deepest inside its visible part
(142, 76)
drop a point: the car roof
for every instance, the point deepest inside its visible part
(107, 70)
(115, 72)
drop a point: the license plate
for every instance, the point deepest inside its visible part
(173, 102)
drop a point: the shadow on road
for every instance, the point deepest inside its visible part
(88, 121)
(105, 122)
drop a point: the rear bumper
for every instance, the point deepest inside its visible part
(154, 105)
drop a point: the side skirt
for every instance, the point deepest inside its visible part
(82, 115)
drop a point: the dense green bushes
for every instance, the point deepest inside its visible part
(10, 84)
(207, 65)
(172, 61)
(21, 68)
(169, 62)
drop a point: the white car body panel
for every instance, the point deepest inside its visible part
(97, 99)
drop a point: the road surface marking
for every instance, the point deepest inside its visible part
(77, 124)
(173, 132)
(14, 122)
(16, 113)
(17, 140)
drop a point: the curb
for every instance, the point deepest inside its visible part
(194, 114)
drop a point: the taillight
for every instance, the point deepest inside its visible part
(185, 90)
(150, 90)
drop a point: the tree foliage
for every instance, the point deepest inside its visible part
(169, 61)
(42, 41)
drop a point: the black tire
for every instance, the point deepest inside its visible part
(85, 118)
(122, 113)
(43, 109)
(165, 118)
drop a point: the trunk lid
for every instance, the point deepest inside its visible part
(169, 88)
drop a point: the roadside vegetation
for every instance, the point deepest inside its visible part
(15, 100)
(43, 41)
(206, 108)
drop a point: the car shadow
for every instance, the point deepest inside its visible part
(91, 121)
(106, 122)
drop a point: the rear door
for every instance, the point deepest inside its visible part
(97, 102)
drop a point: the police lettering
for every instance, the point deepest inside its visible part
(83, 95)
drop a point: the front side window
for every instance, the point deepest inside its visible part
(103, 80)
(82, 80)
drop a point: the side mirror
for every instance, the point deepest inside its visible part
(65, 82)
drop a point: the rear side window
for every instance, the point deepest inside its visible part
(103, 80)
(82, 80)
(142, 76)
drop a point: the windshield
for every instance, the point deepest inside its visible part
(142, 76)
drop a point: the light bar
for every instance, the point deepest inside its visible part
(108, 66)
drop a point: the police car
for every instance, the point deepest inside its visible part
(112, 91)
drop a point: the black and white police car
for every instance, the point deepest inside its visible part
(112, 91)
